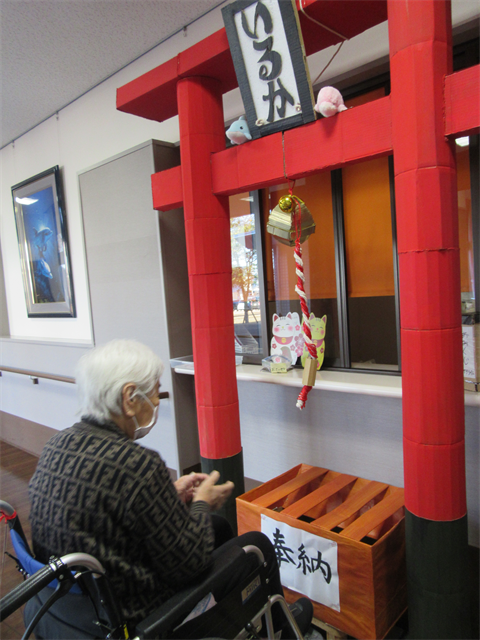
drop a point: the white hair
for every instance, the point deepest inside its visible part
(102, 373)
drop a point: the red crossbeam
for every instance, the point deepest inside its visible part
(153, 95)
(325, 144)
(167, 189)
(357, 134)
(462, 102)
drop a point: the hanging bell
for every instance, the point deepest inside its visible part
(281, 222)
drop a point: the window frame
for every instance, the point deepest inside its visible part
(474, 150)
(341, 272)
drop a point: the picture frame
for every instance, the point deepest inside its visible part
(43, 244)
(268, 54)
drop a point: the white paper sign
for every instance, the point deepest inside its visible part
(259, 71)
(308, 563)
(468, 339)
(269, 58)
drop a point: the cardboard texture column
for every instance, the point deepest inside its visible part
(207, 225)
(420, 34)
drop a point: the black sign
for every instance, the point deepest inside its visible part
(269, 58)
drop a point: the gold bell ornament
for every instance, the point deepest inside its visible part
(281, 222)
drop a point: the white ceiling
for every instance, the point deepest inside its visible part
(53, 51)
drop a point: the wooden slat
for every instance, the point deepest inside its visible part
(375, 516)
(352, 504)
(331, 632)
(296, 483)
(262, 489)
(319, 495)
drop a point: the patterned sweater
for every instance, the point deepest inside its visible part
(96, 491)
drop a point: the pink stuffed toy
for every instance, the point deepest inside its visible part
(329, 102)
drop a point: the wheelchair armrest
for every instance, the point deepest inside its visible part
(174, 610)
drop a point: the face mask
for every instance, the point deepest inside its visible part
(141, 432)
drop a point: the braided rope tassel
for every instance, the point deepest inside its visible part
(300, 289)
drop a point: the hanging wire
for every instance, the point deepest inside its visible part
(291, 185)
(324, 26)
(329, 63)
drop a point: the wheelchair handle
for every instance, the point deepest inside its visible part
(6, 508)
(13, 522)
(83, 560)
(35, 583)
(250, 548)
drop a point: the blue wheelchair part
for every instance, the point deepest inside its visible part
(28, 562)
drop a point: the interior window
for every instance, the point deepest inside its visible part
(247, 312)
(318, 253)
(370, 265)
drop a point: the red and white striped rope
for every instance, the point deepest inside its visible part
(300, 289)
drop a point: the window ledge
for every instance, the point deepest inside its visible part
(342, 381)
(49, 342)
(372, 384)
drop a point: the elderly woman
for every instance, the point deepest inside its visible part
(97, 491)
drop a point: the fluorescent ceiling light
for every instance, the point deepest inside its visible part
(463, 142)
(25, 200)
(249, 199)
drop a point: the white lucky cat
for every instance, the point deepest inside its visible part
(287, 337)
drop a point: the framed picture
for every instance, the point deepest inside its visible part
(43, 243)
(269, 58)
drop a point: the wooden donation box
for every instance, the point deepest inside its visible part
(339, 540)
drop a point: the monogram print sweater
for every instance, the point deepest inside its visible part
(95, 491)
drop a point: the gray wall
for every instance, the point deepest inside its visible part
(138, 280)
(127, 270)
(4, 328)
(122, 249)
(356, 434)
(50, 403)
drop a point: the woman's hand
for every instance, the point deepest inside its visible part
(186, 485)
(211, 493)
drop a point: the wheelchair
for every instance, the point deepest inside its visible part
(77, 583)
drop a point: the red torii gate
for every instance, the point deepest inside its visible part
(427, 104)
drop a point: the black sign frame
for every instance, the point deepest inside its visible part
(297, 54)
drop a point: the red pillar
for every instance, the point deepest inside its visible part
(207, 228)
(432, 369)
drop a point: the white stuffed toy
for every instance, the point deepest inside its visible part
(239, 132)
(329, 102)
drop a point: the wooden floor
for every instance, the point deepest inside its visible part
(16, 469)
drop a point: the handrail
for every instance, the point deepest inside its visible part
(35, 375)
